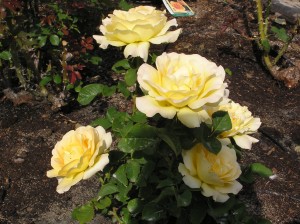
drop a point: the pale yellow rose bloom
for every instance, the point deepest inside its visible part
(79, 155)
(136, 29)
(181, 84)
(243, 124)
(215, 174)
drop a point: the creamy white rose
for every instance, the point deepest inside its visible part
(182, 84)
(243, 124)
(79, 155)
(137, 28)
(215, 174)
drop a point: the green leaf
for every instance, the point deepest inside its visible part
(84, 213)
(172, 141)
(197, 213)
(134, 205)
(139, 137)
(42, 40)
(152, 212)
(54, 40)
(184, 199)
(146, 172)
(165, 183)
(220, 209)
(120, 175)
(123, 4)
(129, 145)
(122, 196)
(57, 79)
(131, 76)
(108, 90)
(228, 71)
(107, 189)
(122, 87)
(280, 34)
(166, 192)
(203, 135)
(103, 203)
(133, 170)
(5, 55)
(266, 45)
(139, 117)
(45, 80)
(104, 122)
(95, 60)
(221, 122)
(88, 93)
(261, 169)
(121, 66)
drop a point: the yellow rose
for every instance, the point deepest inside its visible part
(182, 84)
(215, 174)
(243, 123)
(79, 155)
(136, 28)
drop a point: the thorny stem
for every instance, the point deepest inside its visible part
(286, 44)
(262, 28)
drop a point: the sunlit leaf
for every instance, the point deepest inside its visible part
(107, 189)
(84, 213)
(103, 203)
(120, 175)
(124, 5)
(95, 60)
(130, 76)
(42, 40)
(108, 90)
(133, 170)
(122, 87)
(280, 33)
(45, 80)
(121, 66)
(134, 205)
(54, 40)
(5, 55)
(88, 93)
(261, 169)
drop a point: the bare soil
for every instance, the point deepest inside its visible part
(30, 129)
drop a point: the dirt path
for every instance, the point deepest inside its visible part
(28, 132)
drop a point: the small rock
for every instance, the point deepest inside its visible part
(289, 9)
(18, 160)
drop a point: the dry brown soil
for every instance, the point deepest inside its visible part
(29, 131)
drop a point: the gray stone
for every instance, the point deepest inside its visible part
(289, 9)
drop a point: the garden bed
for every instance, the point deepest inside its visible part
(30, 128)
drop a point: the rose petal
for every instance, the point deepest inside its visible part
(137, 50)
(209, 191)
(104, 42)
(244, 141)
(169, 37)
(191, 118)
(99, 165)
(150, 107)
(64, 184)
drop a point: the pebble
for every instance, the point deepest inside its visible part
(289, 9)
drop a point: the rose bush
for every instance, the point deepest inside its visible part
(136, 28)
(243, 124)
(215, 174)
(182, 84)
(79, 155)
